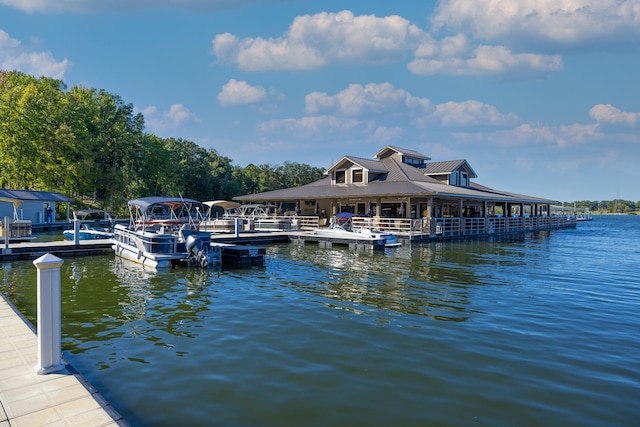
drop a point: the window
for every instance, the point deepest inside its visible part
(419, 163)
(356, 175)
(464, 179)
(340, 177)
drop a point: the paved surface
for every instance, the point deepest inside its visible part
(27, 399)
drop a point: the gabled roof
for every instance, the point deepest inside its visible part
(399, 171)
(398, 180)
(401, 151)
(371, 165)
(323, 189)
(442, 168)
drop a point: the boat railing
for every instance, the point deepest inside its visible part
(306, 221)
(150, 242)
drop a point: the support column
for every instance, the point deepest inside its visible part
(49, 324)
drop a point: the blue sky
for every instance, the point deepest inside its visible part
(541, 97)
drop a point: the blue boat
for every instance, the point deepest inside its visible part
(94, 224)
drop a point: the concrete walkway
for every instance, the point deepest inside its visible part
(27, 399)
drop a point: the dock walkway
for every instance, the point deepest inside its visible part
(27, 399)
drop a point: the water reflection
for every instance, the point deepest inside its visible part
(424, 280)
(110, 298)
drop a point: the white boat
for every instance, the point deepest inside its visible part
(219, 216)
(94, 224)
(342, 226)
(163, 232)
(585, 215)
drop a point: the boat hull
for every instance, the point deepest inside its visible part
(160, 250)
(390, 240)
(86, 235)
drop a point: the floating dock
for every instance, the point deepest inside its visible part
(233, 255)
(61, 249)
(240, 255)
(325, 241)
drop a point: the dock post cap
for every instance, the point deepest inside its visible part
(47, 261)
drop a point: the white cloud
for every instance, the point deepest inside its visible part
(318, 126)
(316, 40)
(240, 93)
(550, 23)
(94, 6)
(455, 55)
(386, 134)
(323, 39)
(374, 98)
(525, 134)
(607, 113)
(165, 123)
(468, 114)
(15, 56)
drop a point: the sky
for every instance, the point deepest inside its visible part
(541, 97)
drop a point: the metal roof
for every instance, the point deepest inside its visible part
(387, 189)
(403, 151)
(439, 168)
(369, 164)
(20, 196)
(399, 180)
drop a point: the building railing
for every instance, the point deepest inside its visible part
(456, 227)
(412, 228)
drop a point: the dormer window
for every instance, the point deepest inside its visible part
(357, 175)
(418, 163)
(464, 179)
(340, 177)
(453, 178)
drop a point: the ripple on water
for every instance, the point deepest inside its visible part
(535, 330)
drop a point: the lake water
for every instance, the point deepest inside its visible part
(538, 330)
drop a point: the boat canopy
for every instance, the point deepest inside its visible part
(347, 215)
(224, 204)
(83, 214)
(145, 202)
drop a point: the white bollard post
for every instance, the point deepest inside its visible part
(49, 323)
(7, 231)
(76, 232)
(237, 220)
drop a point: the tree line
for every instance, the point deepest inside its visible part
(607, 206)
(91, 146)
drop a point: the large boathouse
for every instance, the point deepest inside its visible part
(404, 192)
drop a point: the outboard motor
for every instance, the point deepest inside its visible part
(197, 253)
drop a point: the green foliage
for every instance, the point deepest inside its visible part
(607, 206)
(89, 144)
